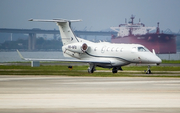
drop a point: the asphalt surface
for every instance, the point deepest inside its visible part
(49, 94)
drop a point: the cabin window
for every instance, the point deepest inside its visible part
(108, 49)
(112, 49)
(117, 49)
(95, 48)
(121, 50)
(103, 49)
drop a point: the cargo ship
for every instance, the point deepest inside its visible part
(138, 33)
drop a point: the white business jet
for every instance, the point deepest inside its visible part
(102, 54)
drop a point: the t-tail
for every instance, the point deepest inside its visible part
(67, 35)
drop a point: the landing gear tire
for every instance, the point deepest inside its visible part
(90, 71)
(115, 70)
(148, 71)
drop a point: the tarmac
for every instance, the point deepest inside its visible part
(61, 94)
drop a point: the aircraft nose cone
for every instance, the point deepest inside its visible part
(158, 61)
(155, 59)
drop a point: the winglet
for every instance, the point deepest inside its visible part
(20, 55)
(30, 19)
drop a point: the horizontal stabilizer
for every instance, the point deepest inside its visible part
(54, 20)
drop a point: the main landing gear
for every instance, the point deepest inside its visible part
(115, 69)
(91, 68)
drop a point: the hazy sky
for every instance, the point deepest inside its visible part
(96, 14)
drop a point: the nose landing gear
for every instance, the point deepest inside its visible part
(148, 70)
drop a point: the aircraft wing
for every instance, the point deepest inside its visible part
(65, 60)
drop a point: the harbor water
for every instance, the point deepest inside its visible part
(14, 57)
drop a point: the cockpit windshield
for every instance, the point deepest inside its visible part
(142, 49)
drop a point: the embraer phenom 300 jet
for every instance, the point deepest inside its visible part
(102, 54)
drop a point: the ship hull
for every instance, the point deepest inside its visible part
(161, 43)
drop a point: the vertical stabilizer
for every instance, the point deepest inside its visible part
(66, 32)
(67, 35)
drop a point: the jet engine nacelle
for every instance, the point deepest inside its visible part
(76, 47)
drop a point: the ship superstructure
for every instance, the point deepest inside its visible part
(140, 34)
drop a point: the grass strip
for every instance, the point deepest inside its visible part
(171, 61)
(138, 71)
